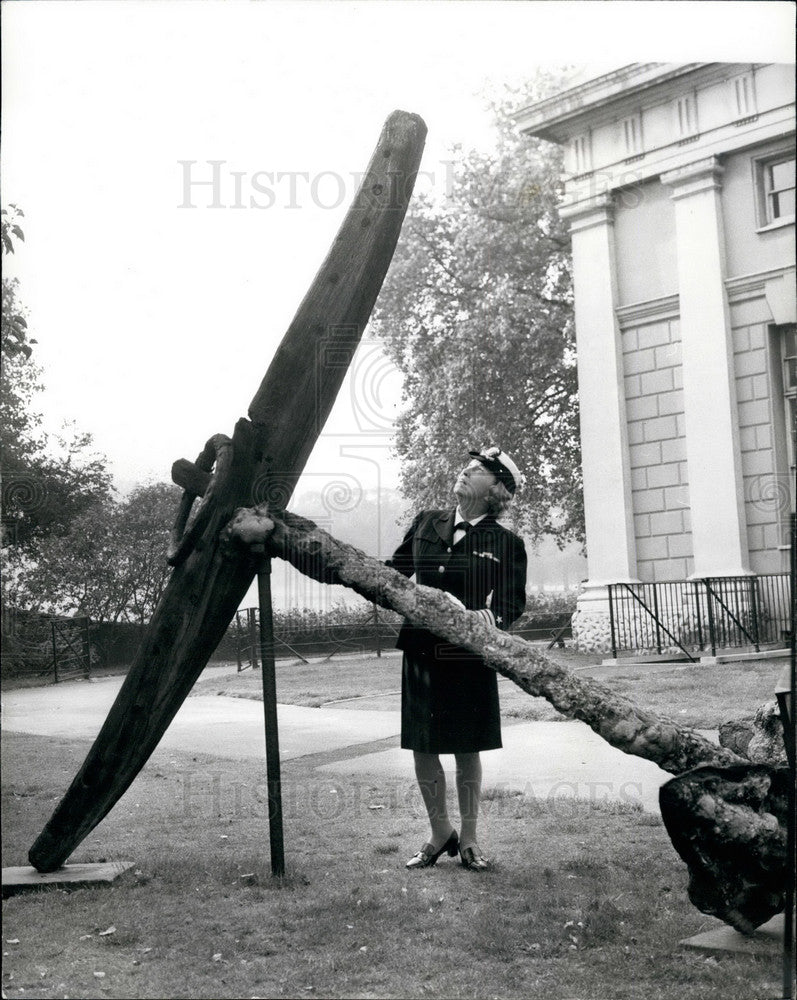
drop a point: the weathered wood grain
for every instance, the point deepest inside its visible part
(617, 719)
(269, 452)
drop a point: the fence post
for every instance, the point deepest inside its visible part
(699, 616)
(55, 651)
(656, 617)
(611, 621)
(712, 638)
(376, 626)
(237, 621)
(86, 647)
(754, 611)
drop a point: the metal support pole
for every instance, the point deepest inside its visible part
(236, 622)
(376, 626)
(789, 721)
(250, 613)
(55, 652)
(270, 713)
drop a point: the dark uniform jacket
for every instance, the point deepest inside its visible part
(485, 569)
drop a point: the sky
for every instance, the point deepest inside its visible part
(156, 310)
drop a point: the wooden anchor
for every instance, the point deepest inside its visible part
(214, 564)
(262, 461)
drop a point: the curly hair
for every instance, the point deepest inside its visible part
(498, 499)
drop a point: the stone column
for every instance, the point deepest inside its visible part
(611, 544)
(716, 492)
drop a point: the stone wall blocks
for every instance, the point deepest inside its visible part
(668, 356)
(761, 387)
(636, 432)
(632, 387)
(673, 450)
(744, 390)
(654, 547)
(741, 339)
(661, 428)
(658, 381)
(645, 454)
(681, 546)
(750, 363)
(757, 463)
(663, 475)
(763, 435)
(754, 411)
(654, 335)
(750, 312)
(648, 501)
(669, 522)
(639, 361)
(630, 340)
(641, 525)
(748, 439)
(671, 402)
(676, 498)
(643, 407)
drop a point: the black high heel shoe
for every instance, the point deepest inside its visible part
(472, 861)
(427, 856)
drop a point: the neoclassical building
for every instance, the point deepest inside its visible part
(680, 193)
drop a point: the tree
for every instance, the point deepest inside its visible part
(477, 313)
(48, 480)
(110, 564)
(15, 339)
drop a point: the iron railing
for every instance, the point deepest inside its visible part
(687, 616)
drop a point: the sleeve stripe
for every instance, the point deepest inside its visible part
(487, 616)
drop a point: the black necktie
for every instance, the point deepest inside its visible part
(462, 526)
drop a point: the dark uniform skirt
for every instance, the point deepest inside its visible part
(448, 707)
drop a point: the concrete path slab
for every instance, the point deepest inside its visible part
(766, 940)
(25, 878)
(546, 760)
(549, 760)
(207, 724)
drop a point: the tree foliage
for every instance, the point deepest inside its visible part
(109, 565)
(48, 480)
(70, 546)
(15, 340)
(477, 313)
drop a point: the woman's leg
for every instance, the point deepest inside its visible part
(469, 786)
(432, 783)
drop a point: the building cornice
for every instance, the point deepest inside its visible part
(752, 286)
(651, 311)
(704, 174)
(555, 118)
(595, 211)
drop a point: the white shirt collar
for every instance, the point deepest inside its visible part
(459, 516)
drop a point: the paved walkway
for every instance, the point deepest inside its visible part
(546, 759)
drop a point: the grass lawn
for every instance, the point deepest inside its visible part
(587, 901)
(703, 696)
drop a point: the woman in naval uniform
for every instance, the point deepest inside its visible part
(449, 698)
